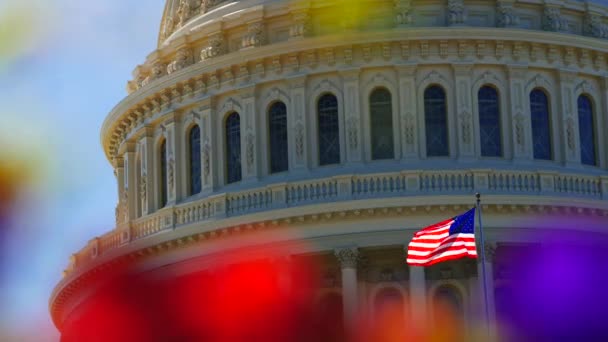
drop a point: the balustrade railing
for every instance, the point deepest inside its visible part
(347, 187)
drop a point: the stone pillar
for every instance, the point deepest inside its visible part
(348, 258)
(464, 112)
(521, 132)
(409, 125)
(352, 117)
(146, 177)
(569, 150)
(297, 121)
(490, 251)
(418, 300)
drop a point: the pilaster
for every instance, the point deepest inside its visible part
(297, 136)
(602, 121)
(570, 151)
(209, 138)
(408, 117)
(464, 111)
(147, 172)
(130, 188)
(519, 117)
(119, 167)
(249, 139)
(172, 129)
(352, 116)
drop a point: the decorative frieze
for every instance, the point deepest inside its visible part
(594, 26)
(255, 35)
(506, 14)
(456, 12)
(553, 20)
(403, 10)
(183, 58)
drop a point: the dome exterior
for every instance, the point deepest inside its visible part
(349, 125)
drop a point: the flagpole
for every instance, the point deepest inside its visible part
(483, 263)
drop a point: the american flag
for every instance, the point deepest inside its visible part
(447, 240)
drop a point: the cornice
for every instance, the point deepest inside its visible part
(208, 78)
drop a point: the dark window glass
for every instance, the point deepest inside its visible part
(489, 122)
(277, 128)
(195, 160)
(586, 130)
(329, 130)
(163, 173)
(436, 122)
(541, 132)
(381, 111)
(233, 148)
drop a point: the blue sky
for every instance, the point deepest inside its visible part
(66, 67)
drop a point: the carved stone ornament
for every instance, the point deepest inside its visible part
(348, 257)
(183, 58)
(254, 36)
(594, 27)
(214, 48)
(570, 133)
(250, 150)
(519, 131)
(143, 188)
(158, 70)
(171, 174)
(506, 15)
(353, 133)
(299, 134)
(408, 129)
(387, 275)
(553, 20)
(465, 118)
(403, 10)
(206, 159)
(456, 12)
(301, 25)
(184, 12)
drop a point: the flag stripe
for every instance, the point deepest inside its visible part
(446, 240)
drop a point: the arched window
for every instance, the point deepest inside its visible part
(329, 130)
(489, 122)
(541, 131)
(233, 148)
(586, 130)
(194, 146)
(277, 128)
(436, 122)
(163, 173)
(381, 111)
(448, 312)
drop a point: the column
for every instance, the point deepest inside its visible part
(464, 112)
(418, 301)
(146, 148)
(490, 251)
(568, 121)
(296, 119)
(409, 125)
(348, 258)
(521, 133)
(352, 116)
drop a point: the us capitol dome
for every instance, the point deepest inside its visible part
(333, 130)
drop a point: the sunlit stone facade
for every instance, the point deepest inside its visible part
(355, 123)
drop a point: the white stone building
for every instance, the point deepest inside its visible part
(356, 123)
